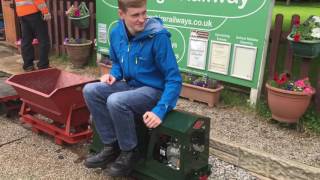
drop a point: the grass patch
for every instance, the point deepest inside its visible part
(311, 120)
(304, 10)
(262, 109)
(233, 98)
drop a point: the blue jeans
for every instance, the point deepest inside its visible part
(114, 108)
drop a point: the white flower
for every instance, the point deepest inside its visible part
(315, 32)
(316, 19)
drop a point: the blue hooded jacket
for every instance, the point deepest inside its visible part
(147, 60)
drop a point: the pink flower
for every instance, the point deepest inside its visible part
(300, 83)
(18, 43)
(77, 13)
(308, 90)
(283, 82)
(35, 41)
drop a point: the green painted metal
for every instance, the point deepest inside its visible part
(183, 127)
(305, 48)
(240, 22)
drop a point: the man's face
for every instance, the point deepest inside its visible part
(134, 19)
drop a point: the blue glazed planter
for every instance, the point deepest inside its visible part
(305, 48)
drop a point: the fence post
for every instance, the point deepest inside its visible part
(275, 41)
(317, 98)
(289, 54)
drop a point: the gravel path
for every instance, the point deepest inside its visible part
(32, 156)
(223, 171)
(245, 128)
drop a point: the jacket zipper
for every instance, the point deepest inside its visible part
(128, 62)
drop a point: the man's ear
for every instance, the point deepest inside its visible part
(120, 13)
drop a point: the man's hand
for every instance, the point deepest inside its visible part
(151, 120)
(47, 17)
(108, 78)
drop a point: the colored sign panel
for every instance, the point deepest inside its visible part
(237, 23)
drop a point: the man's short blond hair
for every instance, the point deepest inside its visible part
(125, 4)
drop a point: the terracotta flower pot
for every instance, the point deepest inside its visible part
(287, 106)
(104, 68)
(206, 95)
(79, 53)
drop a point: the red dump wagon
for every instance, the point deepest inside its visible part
(53, 103)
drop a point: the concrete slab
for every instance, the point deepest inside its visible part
(5, 89)
(12, 64)
(10, 132)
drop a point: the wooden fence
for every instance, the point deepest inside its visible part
(60, 27)
(277, 37)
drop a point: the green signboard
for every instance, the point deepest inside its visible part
(222, 39)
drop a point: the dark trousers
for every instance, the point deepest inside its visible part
(33, 26)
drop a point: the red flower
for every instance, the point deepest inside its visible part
(296, 22)
(283, 78)
(77, 13)
(296, 37)
(275, 76)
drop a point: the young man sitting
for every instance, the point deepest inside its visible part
(144, 81)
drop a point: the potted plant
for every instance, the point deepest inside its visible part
(288, 99)
(305, 38)
(105, 65)
(78, 50)
(79, 16)
(203, 89)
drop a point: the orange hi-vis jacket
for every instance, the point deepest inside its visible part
(26, 7)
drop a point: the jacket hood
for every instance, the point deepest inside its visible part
(153, 26)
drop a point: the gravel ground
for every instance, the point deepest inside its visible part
(223, 171)
(245, 128)
(26, 155)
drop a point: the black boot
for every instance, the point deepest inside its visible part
(107, 155)
(124, 164)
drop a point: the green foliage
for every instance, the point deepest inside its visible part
(303, 9)
(311, 120)
(309, 30)
(75, 41)
(201, 81)
(79, 11)
(62, 58)
(233, 98)
(262, 109)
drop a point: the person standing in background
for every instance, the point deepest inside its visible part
(33, 15)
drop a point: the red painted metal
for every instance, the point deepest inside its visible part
(57, 95)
